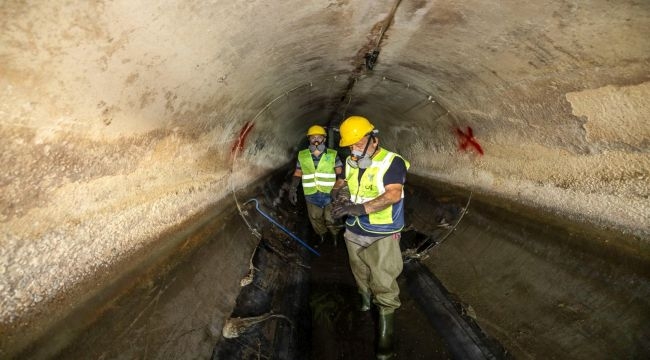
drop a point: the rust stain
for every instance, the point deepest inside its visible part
(238, 145)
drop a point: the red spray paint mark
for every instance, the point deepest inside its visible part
(467, 140)
(238, 145)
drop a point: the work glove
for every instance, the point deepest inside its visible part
(293, 190)
(340, 194)
(343, 208)
(293, 196)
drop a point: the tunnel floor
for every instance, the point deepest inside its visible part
(301, 305)
(322, 312)
(327, 323)
(340, 331)
(304, 307)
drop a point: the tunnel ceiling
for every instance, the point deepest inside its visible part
(120, 119)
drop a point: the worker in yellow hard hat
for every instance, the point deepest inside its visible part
(318, 169)
(372, 197)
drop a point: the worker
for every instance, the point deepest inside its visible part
(318, 168)
(372, 197)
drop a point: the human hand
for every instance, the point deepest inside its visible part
(343, 208)
(334, 194)
(341, 194)
(293, 189)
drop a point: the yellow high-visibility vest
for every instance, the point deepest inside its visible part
(321, 178)
(370, 187)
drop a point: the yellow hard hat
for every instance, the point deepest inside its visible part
(354, 129)
(316, 130)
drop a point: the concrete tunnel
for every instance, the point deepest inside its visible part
(131, 131)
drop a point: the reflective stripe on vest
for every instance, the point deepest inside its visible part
(389, 220)
(321, 178)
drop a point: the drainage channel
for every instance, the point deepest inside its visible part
(297, 305)
(270, 319)
(292, 304)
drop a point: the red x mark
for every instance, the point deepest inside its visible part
(466, 140)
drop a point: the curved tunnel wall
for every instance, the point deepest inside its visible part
(119, 119)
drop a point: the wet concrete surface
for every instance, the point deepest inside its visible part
(270, 319)
(180, 312)
(540, 284)
(341, 331)
(332, 326)
(515, 285)
(175, 313)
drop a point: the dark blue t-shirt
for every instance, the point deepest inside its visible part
(396, 173)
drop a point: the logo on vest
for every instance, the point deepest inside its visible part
(370, 186)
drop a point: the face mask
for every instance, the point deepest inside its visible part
(316, 146)
(360, 159)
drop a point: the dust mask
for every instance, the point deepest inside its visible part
(316, 146)
(361, 159)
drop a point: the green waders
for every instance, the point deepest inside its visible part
(375, 269)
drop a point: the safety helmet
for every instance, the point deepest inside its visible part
(316, 130)
(354, 129)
